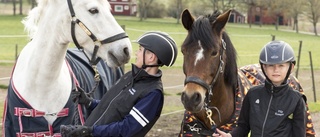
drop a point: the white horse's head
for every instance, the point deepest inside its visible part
(94, 14)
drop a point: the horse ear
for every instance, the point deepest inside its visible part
(221, 21)
(187, 19)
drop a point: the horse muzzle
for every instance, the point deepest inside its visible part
(192, 101)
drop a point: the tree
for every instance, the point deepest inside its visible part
(20, 7)
(250, 4)
(14, 7)
(314, 13)
(179, 10)
(143, 8)
(295, 11)
(175, 8)
(215, 5)
(33, 4)
(222, 5)
(277, 8)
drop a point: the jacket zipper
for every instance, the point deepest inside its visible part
(111, 103)
(265, 119)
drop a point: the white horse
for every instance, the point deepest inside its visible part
(41, 76)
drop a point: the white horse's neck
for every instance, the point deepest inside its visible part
(41, 75)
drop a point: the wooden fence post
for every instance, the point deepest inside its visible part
(312, 76)
(299, 55)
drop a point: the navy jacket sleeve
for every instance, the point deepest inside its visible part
(142, 112)
(93, 104)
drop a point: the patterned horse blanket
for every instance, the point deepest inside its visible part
(248, 76)
(21, 120)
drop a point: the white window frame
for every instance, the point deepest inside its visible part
(118, 8)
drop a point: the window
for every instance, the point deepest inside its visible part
(126, 7)
(118, 8)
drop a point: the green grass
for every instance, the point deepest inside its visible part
(247, 41)
(314, 106)
(10, 26)
(3, 86)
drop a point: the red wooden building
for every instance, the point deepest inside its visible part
(236, 17)
(124, 7)
(258, 14)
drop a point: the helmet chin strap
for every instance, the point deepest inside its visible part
(288, 74)
(144, 66)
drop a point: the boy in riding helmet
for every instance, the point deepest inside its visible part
(133, 105)
(273, 109)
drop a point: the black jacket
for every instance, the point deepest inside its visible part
(270, 111)
(120, 99)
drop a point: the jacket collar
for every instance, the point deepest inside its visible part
(277, 90)
(139, 74)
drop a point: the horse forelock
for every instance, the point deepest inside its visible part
(202, 30)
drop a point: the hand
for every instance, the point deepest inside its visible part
(82, 96)
(221, 134)
(75, 131)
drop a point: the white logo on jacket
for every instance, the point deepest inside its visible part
(132, 91)
(257, 101)
(279, 113)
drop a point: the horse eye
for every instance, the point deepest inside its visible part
(94, 11)
(214, 53)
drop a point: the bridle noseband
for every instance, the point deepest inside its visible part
(97, 43)
(197, 80)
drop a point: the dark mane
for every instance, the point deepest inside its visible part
(231, 69)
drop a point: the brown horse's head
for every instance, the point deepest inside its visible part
(209, 62)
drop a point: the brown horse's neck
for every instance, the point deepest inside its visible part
(223, 99)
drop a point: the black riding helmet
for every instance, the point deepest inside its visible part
(277, 52)
(160, 44)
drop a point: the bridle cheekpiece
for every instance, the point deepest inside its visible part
(97, 43)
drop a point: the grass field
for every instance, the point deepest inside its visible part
(247, 41)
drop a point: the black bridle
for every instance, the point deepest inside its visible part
(97, 43)
(208, 87)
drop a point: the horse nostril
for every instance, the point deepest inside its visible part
(183, 94)
(126, 51)
(196, 98)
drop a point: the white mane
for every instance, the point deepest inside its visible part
(31, 21)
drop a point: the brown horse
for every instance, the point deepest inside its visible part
(214, 86)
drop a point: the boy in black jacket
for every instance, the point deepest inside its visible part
(133, 105)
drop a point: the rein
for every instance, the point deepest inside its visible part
(197, 80)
